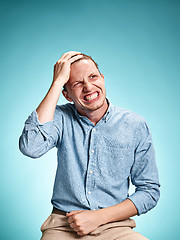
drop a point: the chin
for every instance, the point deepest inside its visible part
(94, 106)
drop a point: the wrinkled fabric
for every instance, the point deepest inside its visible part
(57, 227)
(96, 162)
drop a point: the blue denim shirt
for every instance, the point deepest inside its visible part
(96, 162)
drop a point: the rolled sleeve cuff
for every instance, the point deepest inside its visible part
(32, 123)
(142, 201)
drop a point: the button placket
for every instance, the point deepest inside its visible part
(90, 170)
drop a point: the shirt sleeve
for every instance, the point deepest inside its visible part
(37, 138)
(144, 173)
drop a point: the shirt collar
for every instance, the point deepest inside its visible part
(108, 112)
(106, 116)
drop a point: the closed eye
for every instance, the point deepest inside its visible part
(76, 84)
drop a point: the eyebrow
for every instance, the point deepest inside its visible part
(76, 82)
(80, 80)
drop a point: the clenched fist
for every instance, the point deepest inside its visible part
(84, 221)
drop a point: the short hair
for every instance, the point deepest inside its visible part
(84, 57)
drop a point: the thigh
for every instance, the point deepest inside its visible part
(120, 230)
(58, 235)
(56, 227)
(119, 233)
(132, 235)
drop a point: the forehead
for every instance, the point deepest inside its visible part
(82, 67)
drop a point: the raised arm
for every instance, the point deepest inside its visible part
(43, 128)
(47, 107)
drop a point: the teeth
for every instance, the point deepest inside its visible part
(91, 97)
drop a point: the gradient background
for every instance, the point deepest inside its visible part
(136, 44)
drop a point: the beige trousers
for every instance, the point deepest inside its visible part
(56, 227)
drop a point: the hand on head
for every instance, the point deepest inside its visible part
(62, 66)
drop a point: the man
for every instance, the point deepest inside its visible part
(100, 148)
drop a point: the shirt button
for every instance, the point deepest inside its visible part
(89, 192)
(92, 151)
(90, 171)
(94, 209)
(94, 130)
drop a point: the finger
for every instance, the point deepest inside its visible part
(71, 54)
(69, 214)
(77, 229)
(70, 220)
(80, 233)
(69, 61)
(73, 225)
(57, 66)
(73, 59)
(68, 55)
(73, 212)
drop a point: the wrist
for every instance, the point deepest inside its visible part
(61, 81)
(102, 216)
(58, 83)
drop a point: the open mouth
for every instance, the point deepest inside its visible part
(91, 97)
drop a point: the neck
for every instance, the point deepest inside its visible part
(96, 115)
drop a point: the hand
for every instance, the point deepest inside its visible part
(62, 66)
(84, 221)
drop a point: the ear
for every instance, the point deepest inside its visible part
(66, 95)
(102, 75)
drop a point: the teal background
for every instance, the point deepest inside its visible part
(136, 44)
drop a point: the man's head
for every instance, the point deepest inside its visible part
(86, 85)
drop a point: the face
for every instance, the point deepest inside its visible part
(86, 87)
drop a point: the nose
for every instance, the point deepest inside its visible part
(87, 86)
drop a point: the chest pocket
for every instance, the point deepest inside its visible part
(116, 159)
